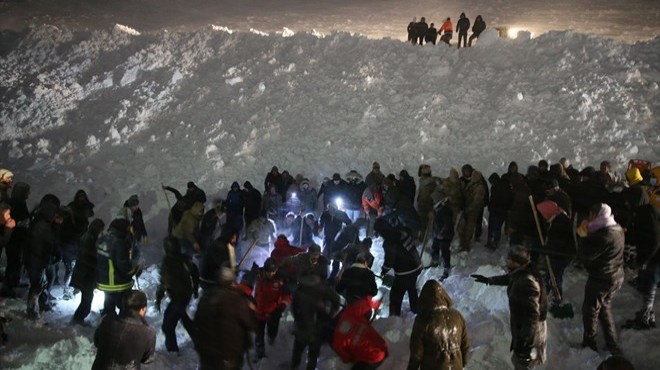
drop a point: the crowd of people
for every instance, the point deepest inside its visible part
(322, 271)
(420, 33)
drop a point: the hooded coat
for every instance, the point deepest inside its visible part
(528, 306)
(439, 339)
(84, 272)
(284, 250)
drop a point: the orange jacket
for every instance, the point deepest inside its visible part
(374, 203)
(447, 27)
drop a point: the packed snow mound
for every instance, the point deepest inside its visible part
(113, 109)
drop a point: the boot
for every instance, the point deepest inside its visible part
(445, 274)
(644, 320)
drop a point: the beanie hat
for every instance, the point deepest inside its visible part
(191, 184)
(336, 176)
(270, 265)
(548, 209)
(633, 176)
(519, 254)
(133, 201)
(314, 248)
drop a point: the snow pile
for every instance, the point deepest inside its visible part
(118, 113)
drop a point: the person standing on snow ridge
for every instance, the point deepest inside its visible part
(478, 27)
(462, 27)
(420, 29)
(446, 29)
(125, 341)
(412, 31)
(179, 277)
(375, 177)
(431, 34)
(528, 304)
(439, 337)
(601, 248)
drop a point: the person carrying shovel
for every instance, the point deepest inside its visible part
(559, 251)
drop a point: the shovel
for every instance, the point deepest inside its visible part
(559, 311)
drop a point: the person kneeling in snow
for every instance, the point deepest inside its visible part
(439, 337)
(355, 340)
(180, 279)
(125, 341)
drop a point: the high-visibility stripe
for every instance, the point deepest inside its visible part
(111, 273)
(114, 288)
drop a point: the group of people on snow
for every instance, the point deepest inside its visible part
(421, 32)
(317, 260)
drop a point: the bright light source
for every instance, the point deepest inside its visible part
(513, 32)
(339, 203)
(294, 195)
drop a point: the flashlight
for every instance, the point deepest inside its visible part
(339, 203)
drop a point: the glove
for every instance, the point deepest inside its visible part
(480, 279)
(384, 271)
(388, 280)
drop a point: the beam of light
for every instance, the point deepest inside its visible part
(512, 33)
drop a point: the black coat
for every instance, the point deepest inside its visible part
(357, 282)
(179, 276)
(479, 26)
(224, 321)
(42, 246)
(215, 256)
(252, 202)
(462, 26)
(124, 342)
(400, 250)
(84, 272)
(602, 252)
(444, 226)
(501, 196)
(312, 307)
(560, 240)
(114, 267)
(408, 188)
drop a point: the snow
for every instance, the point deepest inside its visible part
(118, 101)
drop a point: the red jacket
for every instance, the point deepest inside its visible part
(283, 250)
(447, 27)
(373, 203)
(355, 340)
(269, 295)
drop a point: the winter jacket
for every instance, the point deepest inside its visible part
(354, 189)
(308, 233)
(84, 272)
(447, 27)
(208, 227)
(372, 202)
(646, 230)
(308, 199)
(301, 265)
(114, 268)
(224, 321)
(332, 191)
(76, 218)
(220, 253)
(124, 342)
(179, 276)
(270, 296)
(427, 185)
(188, 228)
(352, 251)
(479, 26)
(357, 282)
(274, 179)
(528, 307)
(475, 194)
(602, 252)
(501, 196)
(439, 339)
(252, 202)
(407, 186)
(43, 239)
(462, 26)
(443, 220)
(400, 249)
(560, 240)
(332, 221)
(355, 340)
(138, 229)
(264, 231)
(452, 188)
(421, 28)
(284, 250)
(313, 304)
(375, 177)
(273, 205)
(234, 201)
(19, 212)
